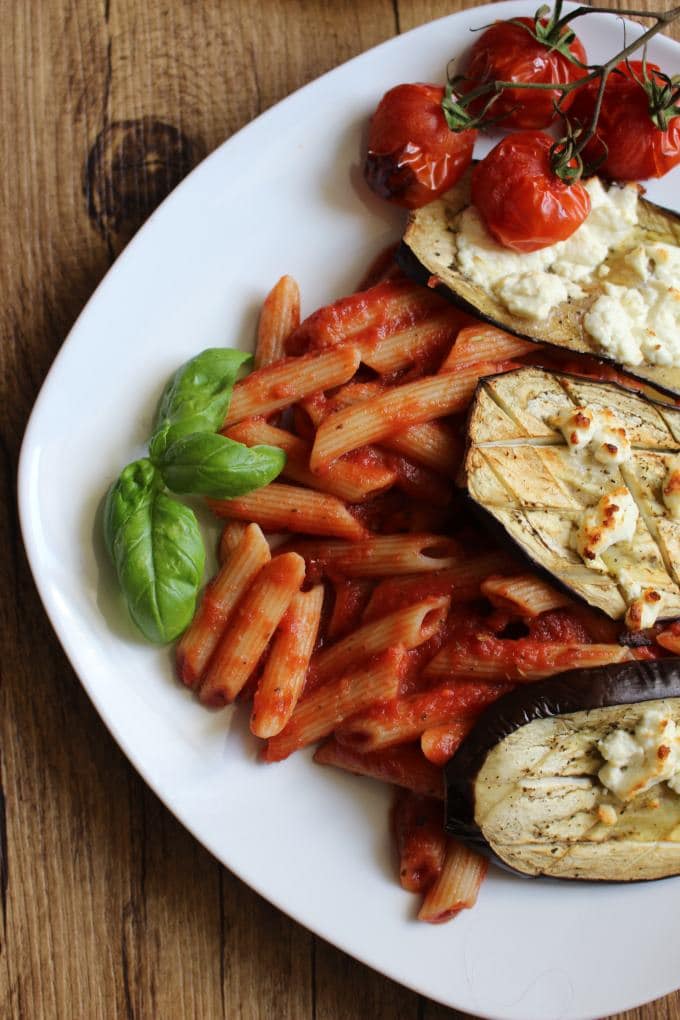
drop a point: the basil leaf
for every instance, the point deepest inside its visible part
(157, 551)
(209, 464)
(197, 397)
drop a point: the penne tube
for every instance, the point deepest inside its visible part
(520, 661)
(402, 766)
(278, 507)
(250, 628)
(285, 671)
(388, 306)
(232, 533)
(280, 315)
(280, 385)
(478, 342)
(461, 582)
(396, 409)
(219, 600)
(457, 886)
(420, 838)
(440, 743)
(407, 718)
(670, 639)
(352, 479)
(326, 707)
(524, 595)
(423, 341)
(432, 444)
(409, 627)
(382, 555)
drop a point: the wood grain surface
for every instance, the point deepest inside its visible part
(108, 908)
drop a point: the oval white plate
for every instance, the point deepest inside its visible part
(285, 195)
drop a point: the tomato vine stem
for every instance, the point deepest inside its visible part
(566, 157)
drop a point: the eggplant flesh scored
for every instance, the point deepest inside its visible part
(519, 470)
(428, 255)
(523, 788)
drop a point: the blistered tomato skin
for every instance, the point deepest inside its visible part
(413, 156)
(507, 51)
(636, 149)
(524, 205)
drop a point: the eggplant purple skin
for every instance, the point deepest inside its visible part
(624, 683)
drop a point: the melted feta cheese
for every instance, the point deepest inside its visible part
(611, 520)
(632, 324)
(596, 429)
(531, 284)
(635, 762)
(644, 610)
(636, 324)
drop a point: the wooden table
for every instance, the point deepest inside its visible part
(109, 908)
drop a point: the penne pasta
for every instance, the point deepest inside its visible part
(232, 533)
(386, 307)
(250, 628)
(457, 886)
(279, 507)
(670, 639)
(426, 340)
(382, 555)
(280, 315)
(280, 385)
(321, 711)
(394, 410)
(220, 598)
(350, 478)
(521, 661)
(402, 766)
(432, 444)
(420, 838)
(409, 627)
(285, 671)
(407, 718)
(440, 743)
(525, 595)
(460, 582)
(479, 342)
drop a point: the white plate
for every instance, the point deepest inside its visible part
(285, 195)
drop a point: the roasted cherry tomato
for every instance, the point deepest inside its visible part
(524, 205)
(413, 156)
(636, 148)
(508, 51)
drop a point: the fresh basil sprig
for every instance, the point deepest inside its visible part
(197, 397)
(153, 539)
(209, 464)
(157, 550)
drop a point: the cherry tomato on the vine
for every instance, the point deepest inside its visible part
(636, 148)
(524, 205)
(508, 51)
(413, 156)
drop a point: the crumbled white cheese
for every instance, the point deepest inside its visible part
(637, 762)
(597, 429)
(632, 324)
(611, 520)
(671, 489)
(534, 295)
(607, 814)
(636, 324)
(644, 610)
(516, 277)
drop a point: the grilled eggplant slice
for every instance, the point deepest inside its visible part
(520, 471)
(523, 788)
(428, 254)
